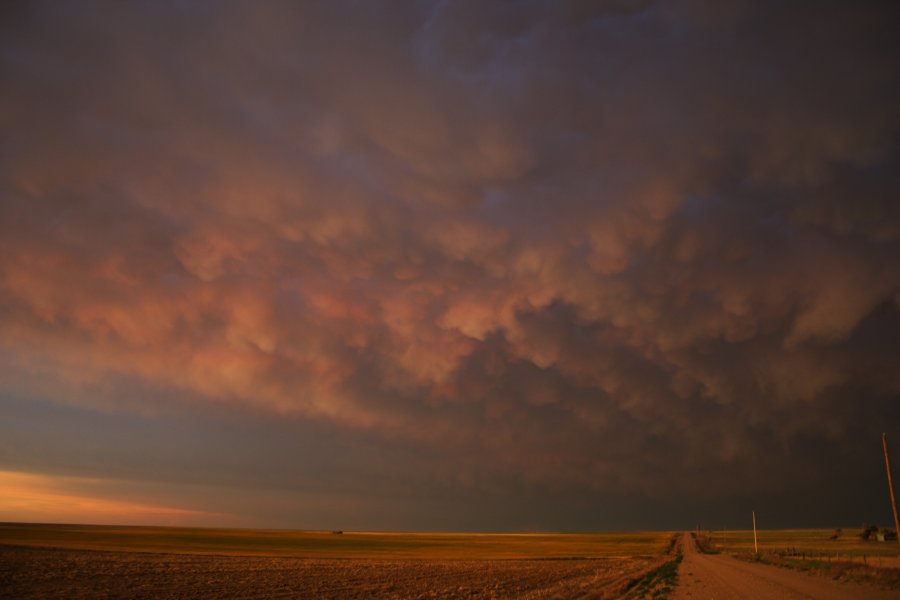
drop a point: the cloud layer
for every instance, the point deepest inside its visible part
(605, 249)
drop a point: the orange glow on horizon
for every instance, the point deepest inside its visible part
(32, 497)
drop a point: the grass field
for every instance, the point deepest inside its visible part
(846, 542)
(317, 544)
(812, 549)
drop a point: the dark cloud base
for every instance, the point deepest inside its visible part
(529, 266)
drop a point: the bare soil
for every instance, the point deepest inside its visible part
(28, 572)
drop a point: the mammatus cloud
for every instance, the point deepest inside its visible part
(597, 247)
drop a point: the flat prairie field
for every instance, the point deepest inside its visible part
(76, 561)
(841, 544)
(344, 545)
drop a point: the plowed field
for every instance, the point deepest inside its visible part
(31, 572)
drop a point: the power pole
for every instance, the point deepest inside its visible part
(887, 464)
(755, 544)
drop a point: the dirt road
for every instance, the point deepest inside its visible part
(712, 576)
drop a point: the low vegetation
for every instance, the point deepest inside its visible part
(659, 583)
(844, 542)
(840, 570)
(846, 554)
(705, 543)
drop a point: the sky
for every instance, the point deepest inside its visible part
(456, 266)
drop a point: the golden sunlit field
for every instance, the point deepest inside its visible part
(75, 561)
(84, 561)
(326, 544)
(842, 543)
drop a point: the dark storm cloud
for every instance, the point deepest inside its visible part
(594, 250)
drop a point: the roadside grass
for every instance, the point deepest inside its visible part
(326, 544)
(803, 543)
(657, 584)
(705, 544)
(838, 570)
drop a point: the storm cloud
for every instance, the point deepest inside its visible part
(612, 263)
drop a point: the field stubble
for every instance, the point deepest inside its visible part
(223, 564)
(844, 544)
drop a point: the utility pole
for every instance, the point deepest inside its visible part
(755, 544)
(887, 464)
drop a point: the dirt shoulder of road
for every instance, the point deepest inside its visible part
(660, 582)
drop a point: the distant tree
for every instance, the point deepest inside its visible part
(868, 531)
